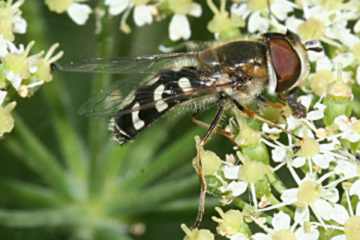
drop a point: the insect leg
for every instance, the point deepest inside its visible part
(262, 119)
(298, 109)
(206, 125)
(198, 164)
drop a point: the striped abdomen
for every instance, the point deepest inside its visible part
(166, 89)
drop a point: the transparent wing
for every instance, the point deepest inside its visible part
(109, 103)
(125, 65)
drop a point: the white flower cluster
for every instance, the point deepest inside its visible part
(146, 11)
(20, 72)
(298, 178)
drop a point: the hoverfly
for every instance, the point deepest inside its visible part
(237, 72)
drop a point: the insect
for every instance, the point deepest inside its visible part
(237, 72)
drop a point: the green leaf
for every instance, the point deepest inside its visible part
(28, 194)
(37, 157)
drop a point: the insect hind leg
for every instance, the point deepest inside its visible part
(198, 163)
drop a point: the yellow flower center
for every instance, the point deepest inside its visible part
(6, 23)
(352, 228)
(197, 234)
(309, 191)
(231, 223)
(247, 135)
(58, 6)
(210, 162)
(253, 171)
(258, 5)
(320, 82)
(283, 235)
(180, 6)
(18, 64)
(312, 29)
(341, 90)
(309, 148)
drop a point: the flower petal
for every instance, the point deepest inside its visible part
(289, 196)
(79, 13)
(298, 162)
(179, 28)
(143, 15)
(302, 215)
(355, 188)
(339, 237)
(238, 236)
(257, 23)
(322, 208)
(281, 221)
(346, 168)
(279, 154)
(305, 234)
(237, 188)
(117, 6)
(339, 214)
(20, 24)
(261, 236)
(231, 172)
(195, 10)
(322, 160)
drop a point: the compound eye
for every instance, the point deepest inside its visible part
(285, 62)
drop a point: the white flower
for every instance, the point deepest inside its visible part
(179, 27)
(116, 7)
(347, 126)
(319, 153)
(311, 194)
(350, 222)
(143, 14)
(282, 229)
(79, 13)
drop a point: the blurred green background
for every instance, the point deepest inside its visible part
(61, 175)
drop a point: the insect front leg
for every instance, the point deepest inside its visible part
(198, 163)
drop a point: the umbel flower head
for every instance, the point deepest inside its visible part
(291, 177)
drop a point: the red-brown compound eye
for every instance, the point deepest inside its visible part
(285, 62)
